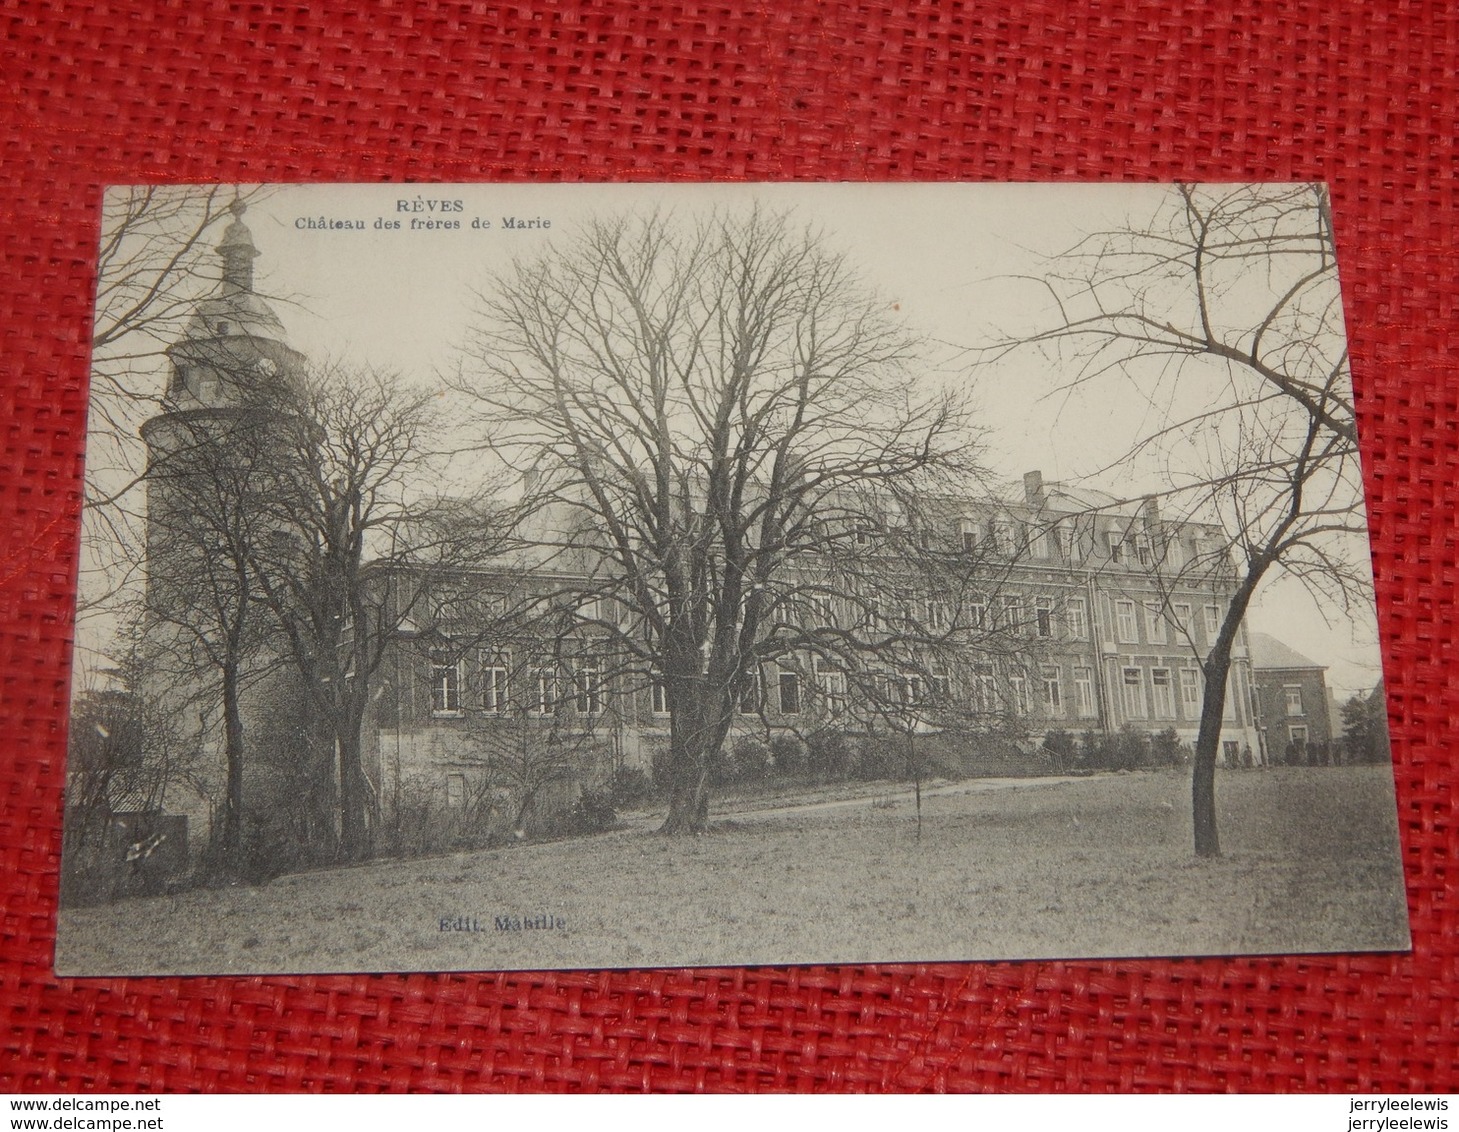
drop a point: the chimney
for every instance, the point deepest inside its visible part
(1150, 510)
(1033, 488)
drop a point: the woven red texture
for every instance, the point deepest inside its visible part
(1362, 95)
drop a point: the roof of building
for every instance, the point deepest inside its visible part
(1268, 652)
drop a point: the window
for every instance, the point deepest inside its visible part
(1183, 619)
(1142, 550)
(1213, 622)
(1053, 689)
(978, 611)
(831, 682)
(941, 687)
(1001, 531)
(1297, 733)
(1018, 689)
(445, 683)
(402, 589)
(1038, 540)
(1076, 615)
(591, 608)
(913, 691)
(588, 685)
(493, 684)
(985, 689)
(822, 611)
(1292, 693)
(1231, 751)
(445, 610)
(1154, 623)
(936, 612)
(1125, 625)
(1163, 693)
(751, 693)
(1133, 689)
(1084, 692)
(1066, 536)
(968, 535)
(1190, 693)
(1044, 616)
(789, 693)
(1011, 613)
(544, 690)
(1116, 542)
(658, 694)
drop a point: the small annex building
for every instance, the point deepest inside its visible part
(1293, 708)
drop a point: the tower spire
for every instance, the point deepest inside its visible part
(238, 252)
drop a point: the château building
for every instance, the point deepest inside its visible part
(508, 687)
(1094, 615)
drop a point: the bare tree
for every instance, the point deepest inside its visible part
(209, 638)
(728, 438)
(359, 499)
(1222, 313)
(156, 261)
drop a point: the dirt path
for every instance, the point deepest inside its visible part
(874, 796)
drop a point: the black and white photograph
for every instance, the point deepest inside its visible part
(501, 577)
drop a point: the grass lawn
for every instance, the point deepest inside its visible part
(1092, 867)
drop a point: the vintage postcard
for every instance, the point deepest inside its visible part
(484, 577)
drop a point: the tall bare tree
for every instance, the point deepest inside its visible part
(1222, 313)
(729, 437)
(209, 639)
(359, 500)
(156, 261)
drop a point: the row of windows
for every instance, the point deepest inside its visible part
(1165, 694)
(1013, 693)
(549, 688)
(1063, 539)
(1164, 624)
(582, 690)
(1049, 617)
(1007, 613)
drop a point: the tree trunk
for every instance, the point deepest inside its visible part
(231, 844)
(353, 798)
(1208, 741)
(688, 797)
(697, 731)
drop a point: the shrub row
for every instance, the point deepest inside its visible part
(1128, 749)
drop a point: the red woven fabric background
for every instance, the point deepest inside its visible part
(1362, 95)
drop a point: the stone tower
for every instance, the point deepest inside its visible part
(218, 484)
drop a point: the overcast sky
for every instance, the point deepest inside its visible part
(948, 257)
